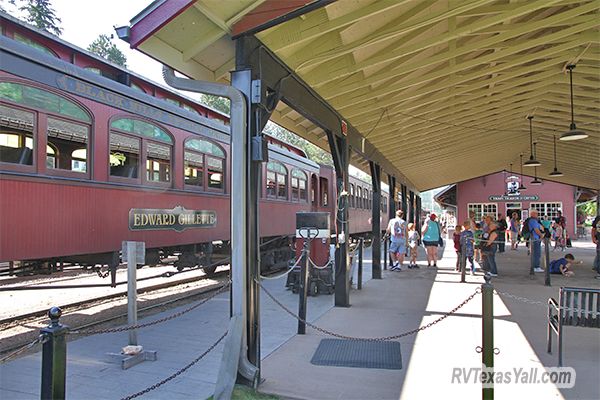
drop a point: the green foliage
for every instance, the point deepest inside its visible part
(588, 208)
(41, 14)
(313, 152)
(218, 103)
(106, 49)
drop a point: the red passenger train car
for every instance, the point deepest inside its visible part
(92, 154)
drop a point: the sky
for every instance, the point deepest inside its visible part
(83, 21)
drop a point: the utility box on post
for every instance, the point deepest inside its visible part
(313, 230)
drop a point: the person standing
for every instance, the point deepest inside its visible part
(466, 242)
(501, 230)
(432, 236)
(488, 247)
(596, 240)
(413, 243)
(537, 233)
(397, 231)
(513, 231)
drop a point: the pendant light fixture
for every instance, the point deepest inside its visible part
(536, 181)
(521, 186)
(532, 162)
(555, 172)
(573, 133)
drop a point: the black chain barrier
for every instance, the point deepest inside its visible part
(378, 339)
(151, 323)
(41, 339)
(176, 374)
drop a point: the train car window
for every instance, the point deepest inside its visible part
(324, 192)
(42, 100)
(67, 138)
(124, 155)
(351, 197)
(313, 189)
(137, 87)
(31, 43)
(276, 180)
(16, 136)
(298, 180)
(366, 198)
(358, 197)
(215, 173)
(158, 162)
(200, 156)
(141, 128)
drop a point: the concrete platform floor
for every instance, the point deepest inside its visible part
(405, 300)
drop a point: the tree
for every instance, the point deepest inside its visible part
(41, 14)
(313, 152)
(103, 47)
(218, 103)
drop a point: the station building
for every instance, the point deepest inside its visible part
(498, 194)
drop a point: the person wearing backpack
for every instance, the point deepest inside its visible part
(397, 231)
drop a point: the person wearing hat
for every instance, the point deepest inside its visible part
(432, 236)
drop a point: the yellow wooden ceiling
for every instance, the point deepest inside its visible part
(441, 88)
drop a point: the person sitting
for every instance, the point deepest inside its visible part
(563, 265)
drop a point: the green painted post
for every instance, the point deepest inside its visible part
(487, 351)
(54, 357)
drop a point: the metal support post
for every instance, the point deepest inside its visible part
(385, 253)
(54, 357)
(360, 263)
(487, 319)
(376, 220)
(531, 256)
(463, 262)
(547, 261)
(303, 292)
(132, 292)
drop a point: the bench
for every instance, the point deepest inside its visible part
(575, 307)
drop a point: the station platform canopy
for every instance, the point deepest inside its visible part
(442, 89)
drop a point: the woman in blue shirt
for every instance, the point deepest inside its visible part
(431, 238)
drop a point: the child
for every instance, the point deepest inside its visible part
(456, 239)
(563, 265)
(559, 239)
(466, 238)
(477, 242)
(413, 240)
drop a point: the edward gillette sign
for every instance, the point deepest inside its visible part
(178, 219)
(504, 197)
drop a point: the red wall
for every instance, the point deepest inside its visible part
(479, 189)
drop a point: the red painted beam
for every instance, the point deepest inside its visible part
(156, 19)
(267, 11)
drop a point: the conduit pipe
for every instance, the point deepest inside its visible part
(238, 193)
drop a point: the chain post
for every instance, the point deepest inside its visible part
(463, 261)
(531, 256)
(547, 261)
(303, 290)
(361, 242)
(487, 324)
(54, 357)
(385, 253)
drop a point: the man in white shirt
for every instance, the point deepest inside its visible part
(396, 229)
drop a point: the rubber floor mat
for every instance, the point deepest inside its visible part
(358, 354)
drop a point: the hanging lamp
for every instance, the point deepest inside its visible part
(573, 133)
(521, 186)
(536, 181)
(555, 172)
(532, 162)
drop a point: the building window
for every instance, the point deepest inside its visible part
(276, 180)
(547, 210)
(298, 182)
(483, 209)
(198, 154)
(134, 143)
